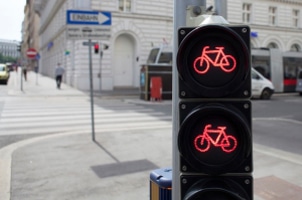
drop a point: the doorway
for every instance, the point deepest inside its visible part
(124, 51)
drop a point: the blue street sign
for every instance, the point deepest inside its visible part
(81, 17)
(38, 56)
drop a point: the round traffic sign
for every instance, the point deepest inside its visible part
(31, 53)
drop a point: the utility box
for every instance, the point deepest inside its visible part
(161, 184)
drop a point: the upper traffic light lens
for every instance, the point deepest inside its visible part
(213, 60)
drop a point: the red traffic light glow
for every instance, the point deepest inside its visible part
(214, 61)
(202, 64)
(216, 138)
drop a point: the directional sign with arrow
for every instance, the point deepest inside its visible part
(81, 17)
(88, 25)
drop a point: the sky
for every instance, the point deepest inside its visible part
(11, 18)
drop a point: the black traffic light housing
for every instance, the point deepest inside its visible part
(19, 48)
(225, 131)
(214, 136)
(210, 72)
(96, 48)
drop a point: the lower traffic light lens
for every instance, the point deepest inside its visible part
(214, 138)
(216, 188)
(213, 194)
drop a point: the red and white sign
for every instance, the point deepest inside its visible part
(31, 53)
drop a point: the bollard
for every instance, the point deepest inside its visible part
(161, 184)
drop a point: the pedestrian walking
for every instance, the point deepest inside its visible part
(59, 74)
(24, 73)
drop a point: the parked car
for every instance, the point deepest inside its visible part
(4, 74)
(299, 83)
(261, 87)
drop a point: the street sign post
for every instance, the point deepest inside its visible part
(31, 53)
(88, 25)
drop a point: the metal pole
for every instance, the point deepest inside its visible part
(37, 71)
(91, 90)
(100, 73)
(180, 7)
(21, 81)
(221, 8)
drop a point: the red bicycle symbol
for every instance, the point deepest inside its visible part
(226, 62)
(216, 137)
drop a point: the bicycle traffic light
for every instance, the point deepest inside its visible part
(213, 61)
(214, 136)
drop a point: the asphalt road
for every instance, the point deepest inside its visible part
(277, 122)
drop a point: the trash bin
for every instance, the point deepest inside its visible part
(161, 184)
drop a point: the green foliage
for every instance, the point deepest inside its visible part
(5, 59)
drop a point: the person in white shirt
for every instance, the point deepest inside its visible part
(59, 74)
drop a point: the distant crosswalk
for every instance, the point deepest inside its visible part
(40, 115)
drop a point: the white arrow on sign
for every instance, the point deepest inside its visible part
(103, 18)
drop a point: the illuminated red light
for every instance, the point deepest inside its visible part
(202, 63)
(216, 137)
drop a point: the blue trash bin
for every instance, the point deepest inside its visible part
(161, 184)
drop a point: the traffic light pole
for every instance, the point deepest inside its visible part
(180, 14)
(91, 90)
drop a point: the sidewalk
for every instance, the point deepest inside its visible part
(116, 166)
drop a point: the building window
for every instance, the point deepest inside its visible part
(84, 4)
(295, 48)
(272, 45)
(125, 5)
(246, 12)
(272, 14)
(296, 14)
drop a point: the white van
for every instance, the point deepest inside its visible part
(160, 55)
(261, 87)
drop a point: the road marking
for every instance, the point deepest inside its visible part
(277, 119)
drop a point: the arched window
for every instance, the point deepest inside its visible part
(272, 45)
(295, 48)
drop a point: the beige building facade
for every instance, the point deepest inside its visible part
(136, 27)
(139, 25)
(30, 34)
